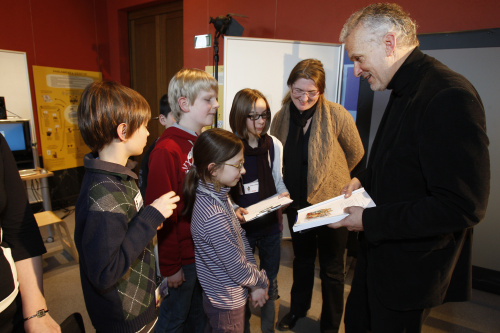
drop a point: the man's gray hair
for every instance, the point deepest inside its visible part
(381, 18)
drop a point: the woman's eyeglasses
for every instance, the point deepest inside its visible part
(256, 116)
(299, 93)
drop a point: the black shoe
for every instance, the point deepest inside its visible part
(287, 322)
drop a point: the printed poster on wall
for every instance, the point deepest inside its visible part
(58, 93)
(220, 75)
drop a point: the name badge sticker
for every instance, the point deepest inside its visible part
(252, 187)
(138, 201)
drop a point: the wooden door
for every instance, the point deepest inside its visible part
(156, 54)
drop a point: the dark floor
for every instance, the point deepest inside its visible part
(64, 295)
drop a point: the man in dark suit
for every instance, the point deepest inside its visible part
(428, 172)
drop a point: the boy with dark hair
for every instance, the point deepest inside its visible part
(113, 232)
(166, 119)
(192, 94)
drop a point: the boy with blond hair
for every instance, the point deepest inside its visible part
(113, 232)
(192, 95)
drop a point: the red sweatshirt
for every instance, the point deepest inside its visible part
(169, 163)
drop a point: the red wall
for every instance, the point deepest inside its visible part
(93, 35)
(322, 20)
(56, 33)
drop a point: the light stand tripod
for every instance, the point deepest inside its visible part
(221, 23)
(224, 25)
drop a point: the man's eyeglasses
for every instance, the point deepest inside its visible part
(256, 116)
(237, 166)
(299, 92)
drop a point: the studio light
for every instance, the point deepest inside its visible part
(224, 25)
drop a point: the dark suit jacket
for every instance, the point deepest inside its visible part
(429, 175)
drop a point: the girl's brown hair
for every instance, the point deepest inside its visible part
(215, 145)
(243, 103)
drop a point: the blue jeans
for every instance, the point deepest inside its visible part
(269, 255)
(182, 310)
(223, 321)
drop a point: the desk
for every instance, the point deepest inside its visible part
(48, 218)
(43, 174)
(46, 202)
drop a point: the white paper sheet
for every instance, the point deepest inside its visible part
(266, 206)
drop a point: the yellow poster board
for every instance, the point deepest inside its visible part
(58, 94)
(220, 74)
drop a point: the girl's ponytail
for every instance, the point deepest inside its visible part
(189, 191)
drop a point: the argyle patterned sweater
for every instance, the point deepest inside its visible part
(113, 236)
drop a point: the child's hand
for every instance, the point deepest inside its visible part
(258, 296)
(240, 211)
(166, 204)
(177, 279)
(284, 194)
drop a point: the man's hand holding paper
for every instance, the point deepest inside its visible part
(332, 211)
(354, 221)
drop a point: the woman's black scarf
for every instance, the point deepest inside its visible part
(292, 154)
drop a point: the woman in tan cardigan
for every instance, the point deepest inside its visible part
(321, 147)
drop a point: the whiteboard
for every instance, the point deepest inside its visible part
(15, 86)
(265, 64)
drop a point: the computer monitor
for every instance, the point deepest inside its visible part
(17, 133)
